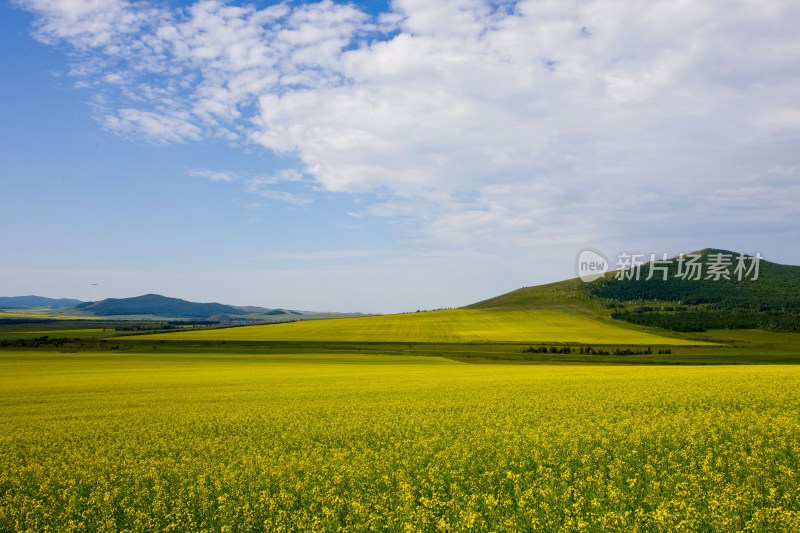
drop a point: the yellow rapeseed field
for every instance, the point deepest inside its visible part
(92, 442)
(456, 325)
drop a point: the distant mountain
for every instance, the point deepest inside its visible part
(157, 305)
(251, 310)
(717, 299)
(276, 312)
(35, 302)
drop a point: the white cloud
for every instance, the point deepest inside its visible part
(477, 123)
(262, 186)
(87, 24)
(286, 175)
(261, 189)
(154, 126)
(278, 195)
(212, 175)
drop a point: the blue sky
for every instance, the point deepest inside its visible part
(386, 156)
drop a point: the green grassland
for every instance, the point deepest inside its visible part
(475, 336)
(450, 326)
(238, 442)
(32, 333)
(496, 330)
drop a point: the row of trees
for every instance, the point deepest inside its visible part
(704, 319)
(37, 342)
(588, 350)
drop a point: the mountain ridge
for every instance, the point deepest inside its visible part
(158, 305)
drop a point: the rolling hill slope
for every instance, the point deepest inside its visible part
(571, 295)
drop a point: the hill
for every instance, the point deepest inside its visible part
(765, 296)
(36, 302)
(157, 305)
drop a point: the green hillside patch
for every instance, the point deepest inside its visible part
(567, 295)
(450, 326)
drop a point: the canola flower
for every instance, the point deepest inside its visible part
(237, 443)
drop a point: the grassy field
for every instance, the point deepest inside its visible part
(236, 442)
(426, 334)
(38, 332)
(450, 326)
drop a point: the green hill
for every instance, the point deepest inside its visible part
(157, 305)
(151, 306)
(721, 297)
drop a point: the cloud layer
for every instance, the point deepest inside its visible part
(503, 124)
